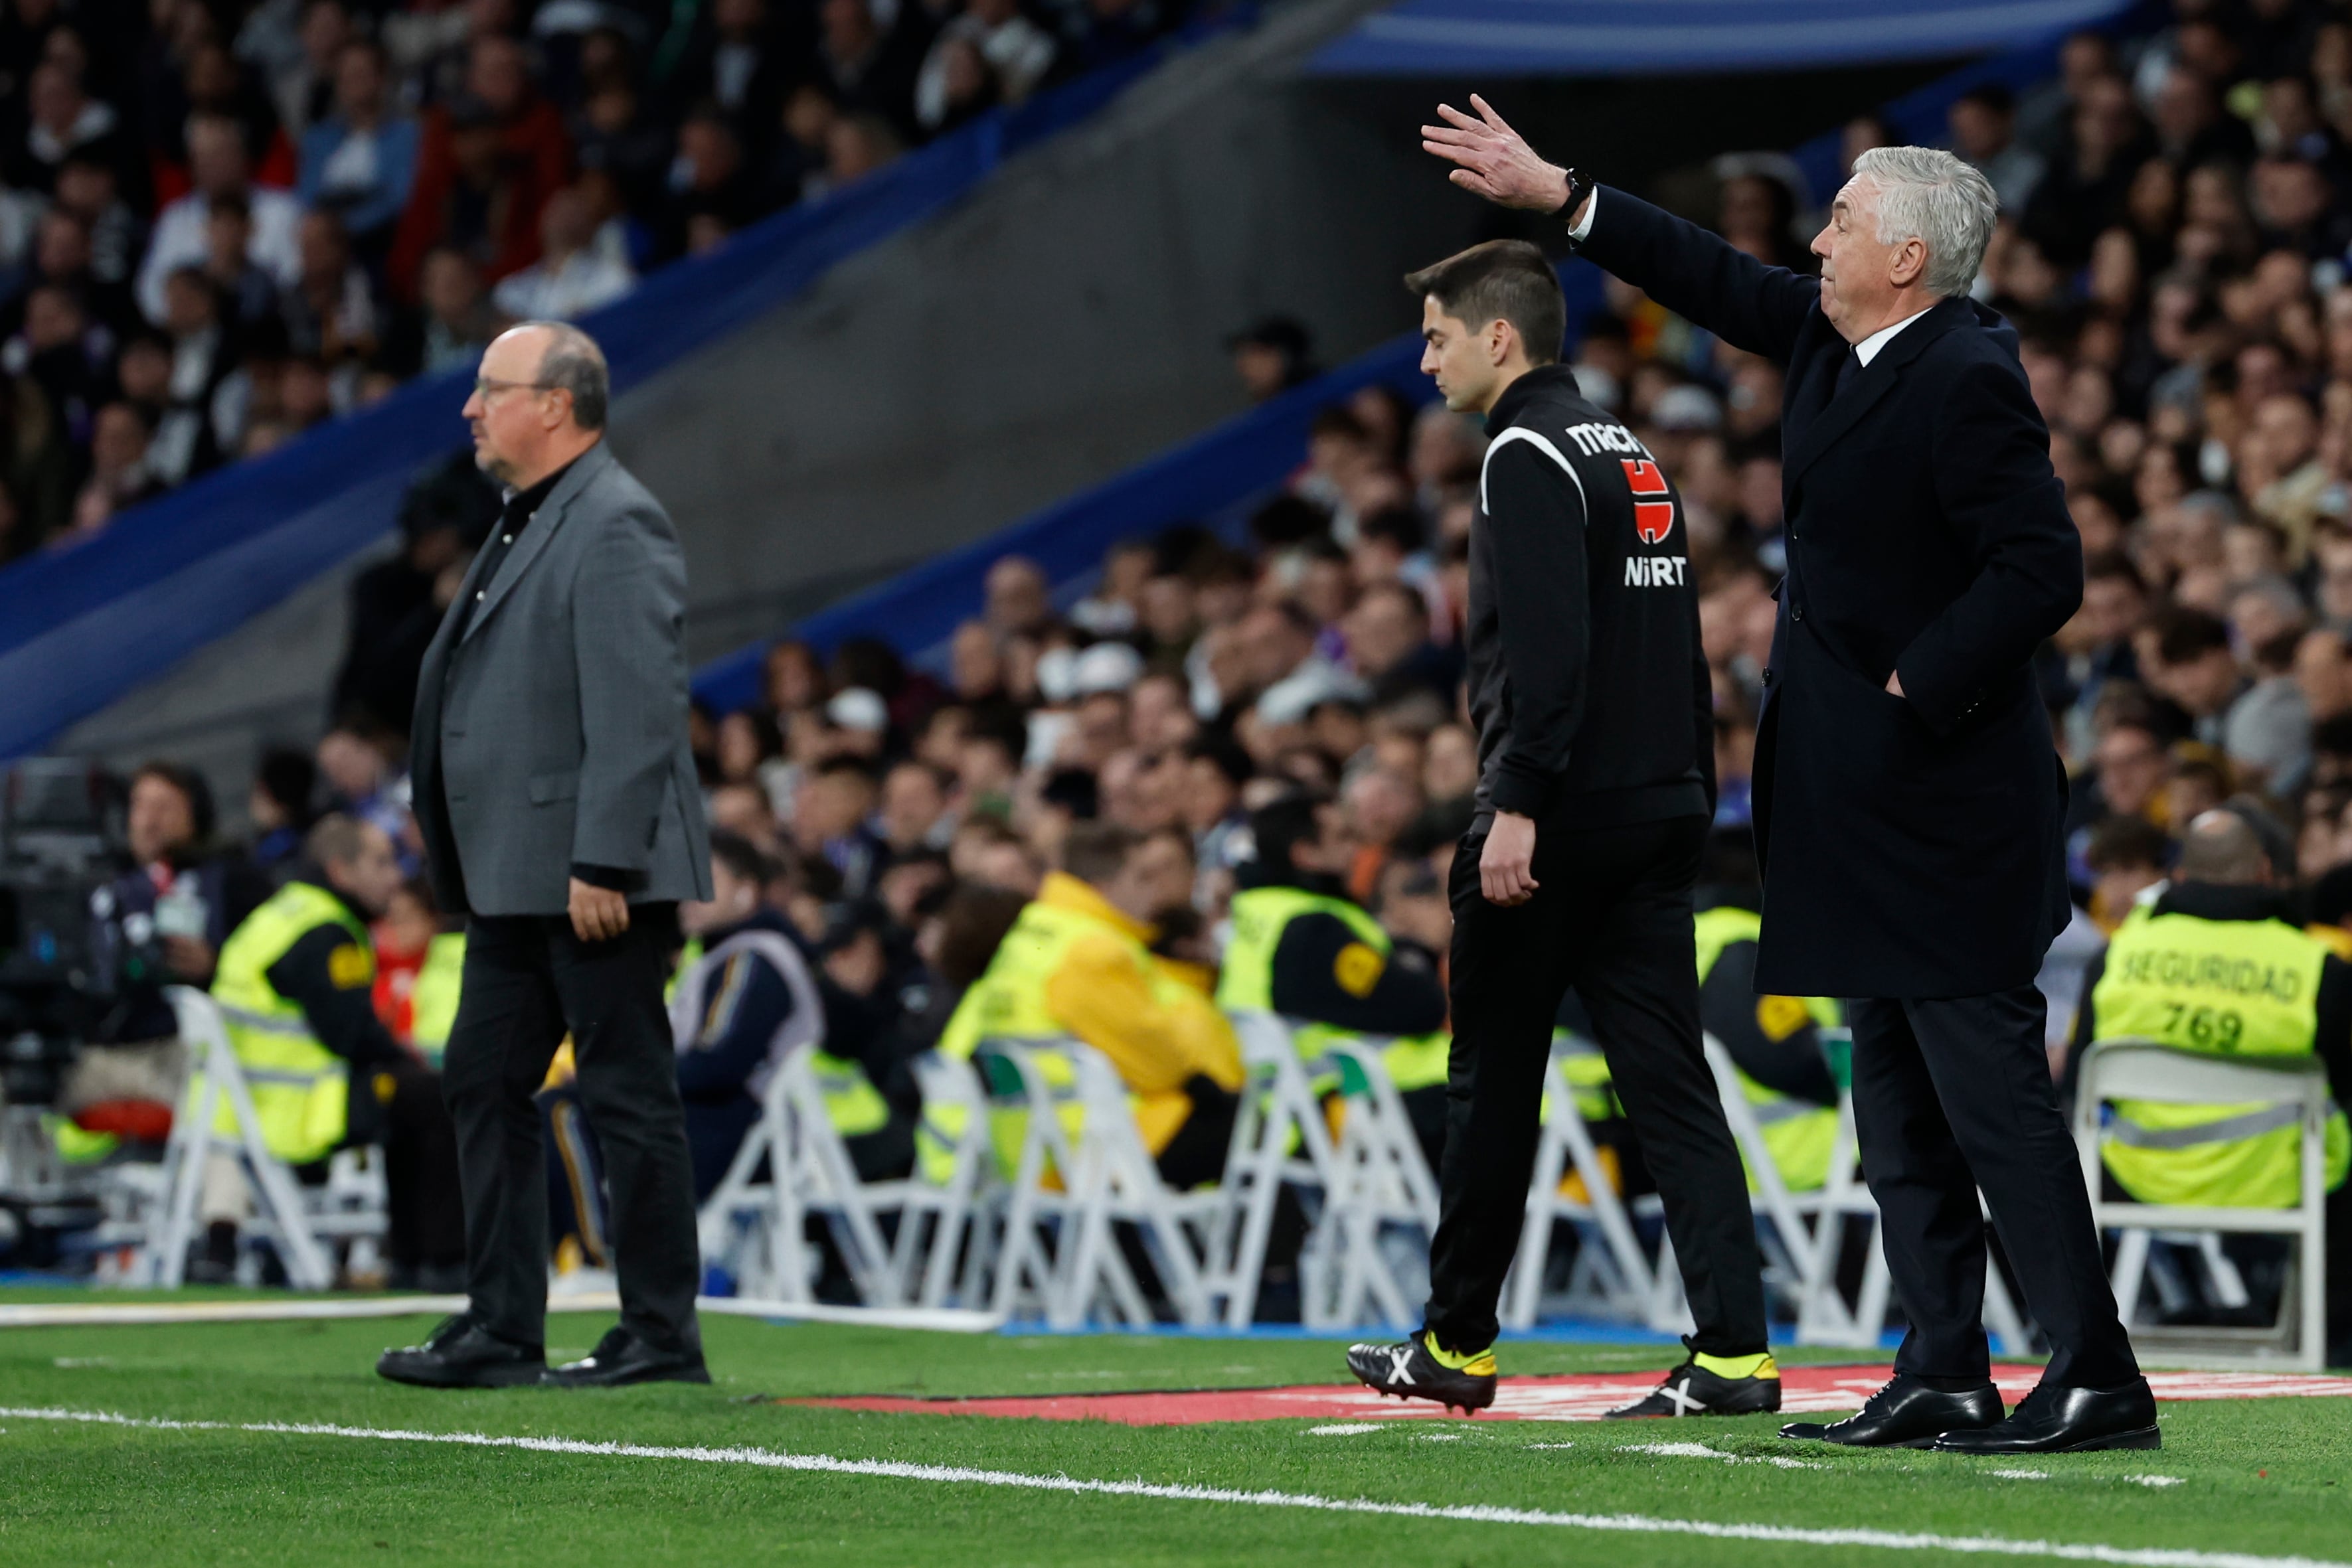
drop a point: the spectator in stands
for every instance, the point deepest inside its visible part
(742, 1002)
(1272, 357)
(571, 278)
(866, 67)
(710, 179)
(218, 166)
(199, 424)
(1983, 123)
(1077, 962)
(119, 472)
(61, 121)
(359, 163)
(279, 805)
(459, 319)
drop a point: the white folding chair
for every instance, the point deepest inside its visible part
(1114, 1182)
(2292, 1092)
(1611, 1276)
(1280, 1138)
(1381, 1189)
(1025, 1251)
(1790, 1253)
(937, 1216)
(793, 1165)
(301, 1227)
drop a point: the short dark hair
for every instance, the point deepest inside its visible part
(2102, 565)
(192, 787)
(1224, 754)
(740, 856)
(2119, 843)
(1281, 825)
(2185, 634)
(1094, 852)
(1991, 97)
(1502, 279)
(573, 363)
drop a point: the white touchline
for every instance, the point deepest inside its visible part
(958, 1475)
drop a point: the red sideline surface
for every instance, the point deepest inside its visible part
(1568, 1399)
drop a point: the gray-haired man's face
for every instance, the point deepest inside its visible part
(1859, 274)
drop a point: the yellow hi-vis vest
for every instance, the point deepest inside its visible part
(1245, 981)
(1797, 1133)
(1008, 1003)
(301, 1089)
(433, 1000)
(2227, 987)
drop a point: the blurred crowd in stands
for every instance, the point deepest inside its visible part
(2172, 252)
(225, 221)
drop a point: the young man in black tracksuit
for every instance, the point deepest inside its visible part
(1596, 786)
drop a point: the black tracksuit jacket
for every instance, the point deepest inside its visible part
(1587, 683)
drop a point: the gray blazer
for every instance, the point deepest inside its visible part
(553, 733)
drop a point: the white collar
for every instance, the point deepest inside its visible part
(1867, 349)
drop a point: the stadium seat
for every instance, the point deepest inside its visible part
(793, 1165)
(1379, 1212)
(937, 1216)
(1611, 1276)
(1280, 1138)
(2132, 1069)
(303, 1225)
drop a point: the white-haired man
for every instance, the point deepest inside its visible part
(1908, 802)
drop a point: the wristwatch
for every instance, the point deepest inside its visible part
(1579, 187)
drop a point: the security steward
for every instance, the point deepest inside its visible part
(1596, 783)
(1077, 962)
(1303, 949)
(2216, 964)
(294, 984)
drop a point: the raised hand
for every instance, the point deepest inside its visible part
(1494, 161)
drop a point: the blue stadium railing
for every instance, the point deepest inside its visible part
(1211, 475)
(82, 626)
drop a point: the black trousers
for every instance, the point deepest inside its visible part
(1611, 917)
(1953, 1094)
(399, 1105)
(528, 980)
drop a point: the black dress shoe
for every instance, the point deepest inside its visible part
(621, 1357)
(2067, 1421)
(461, 1354)
(1905, 1413)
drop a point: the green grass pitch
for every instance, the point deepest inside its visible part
(2263, 1479)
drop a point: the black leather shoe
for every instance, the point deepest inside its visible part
(461, 1354)
(1905, 1413)
(2066, 1421)
(621, 1357)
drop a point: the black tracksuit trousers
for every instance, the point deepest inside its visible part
(1611, 917)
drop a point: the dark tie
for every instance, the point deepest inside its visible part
(1845, 372)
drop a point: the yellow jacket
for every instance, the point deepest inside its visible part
(1152, 1017)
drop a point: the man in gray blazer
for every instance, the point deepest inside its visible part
(557, 798)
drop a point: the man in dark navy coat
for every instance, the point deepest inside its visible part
(1908, 801)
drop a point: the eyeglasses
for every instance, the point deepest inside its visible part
(486, 386)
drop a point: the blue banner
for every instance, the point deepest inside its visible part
(1505, 39)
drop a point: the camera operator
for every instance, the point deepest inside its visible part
(182, 894)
